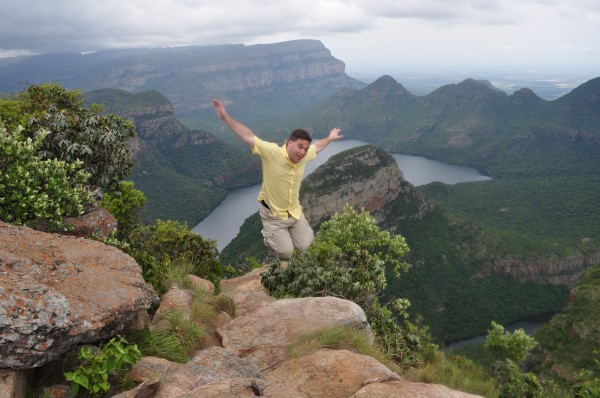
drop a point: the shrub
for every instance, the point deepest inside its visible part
(37, 189)
(124, 203)
(93, 374)
(504, 345)
(348, 259)
(100, 141)
(158, 246)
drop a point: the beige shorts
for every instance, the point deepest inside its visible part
(283, 236)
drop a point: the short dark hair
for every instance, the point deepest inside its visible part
(300, 134)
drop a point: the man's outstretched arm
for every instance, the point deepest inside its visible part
(238, 128)
(334, 134)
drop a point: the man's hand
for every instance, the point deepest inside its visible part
(243, 132)
(335, 134)
(220, 108)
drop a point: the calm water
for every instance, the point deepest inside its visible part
(224, 223)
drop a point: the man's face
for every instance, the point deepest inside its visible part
(297, 149)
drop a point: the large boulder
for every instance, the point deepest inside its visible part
(209, 366)
(264, 334)
(61, 291)
(325, 374)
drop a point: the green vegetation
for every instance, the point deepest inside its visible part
(568, 344)
(169, 244)
(457, 372)
(76, 133)
(34, 188)
(125, 204)
(93, 374)
(176, 336)
(348, 259)
(508, 350)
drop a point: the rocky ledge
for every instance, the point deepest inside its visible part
(83, 290)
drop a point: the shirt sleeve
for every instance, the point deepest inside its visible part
(261, 148)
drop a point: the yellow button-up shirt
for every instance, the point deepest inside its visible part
(281, 178)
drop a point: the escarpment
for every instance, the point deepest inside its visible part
(365, 177)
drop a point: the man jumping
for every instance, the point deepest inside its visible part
(284, 226)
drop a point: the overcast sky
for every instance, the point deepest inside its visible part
(377, 35)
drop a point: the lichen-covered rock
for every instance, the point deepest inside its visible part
(208, 366)
(57, 292)
(264, 334)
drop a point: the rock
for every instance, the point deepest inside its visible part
(367, 177)
(145, 390)
(264, 334)
(12, 383)
(246, 291)
(208, 366)
(326, 374)
(201, 283)
(98, 222)
(175, 299)
(58, 391)
(407, 389)
(230, 388)
(61, 291)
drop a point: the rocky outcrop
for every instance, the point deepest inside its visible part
(554, 271)
(364, 177)
(265, 343)
(253, 360)
(249, 359)
(58, 292)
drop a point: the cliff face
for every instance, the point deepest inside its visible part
(555, 271)
(364, 177)
(189, 170)
(230, 67)
(280, 77)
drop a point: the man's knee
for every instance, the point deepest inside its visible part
(304, 244)
(282, 246)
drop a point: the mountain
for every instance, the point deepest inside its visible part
(470, 123)
(183, 173)
(260, 82)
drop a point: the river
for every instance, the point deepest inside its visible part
(224, 222)
(529, 325)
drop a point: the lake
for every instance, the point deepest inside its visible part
(223, 224)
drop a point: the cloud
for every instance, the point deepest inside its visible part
(360, 31)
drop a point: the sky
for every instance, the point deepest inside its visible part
(368, 35)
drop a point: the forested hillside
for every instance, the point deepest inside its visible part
(184, 173)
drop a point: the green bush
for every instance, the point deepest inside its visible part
(100, 141)
(504, 345)
(35, 189)
(348, 259)
(124, 203)
(345, 260)
(512, 383)
(93, 374)
(166, 244)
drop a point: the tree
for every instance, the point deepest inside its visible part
(504, 345)
(509, 350)
(32, 188)
(100, 141)
(348, 259)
